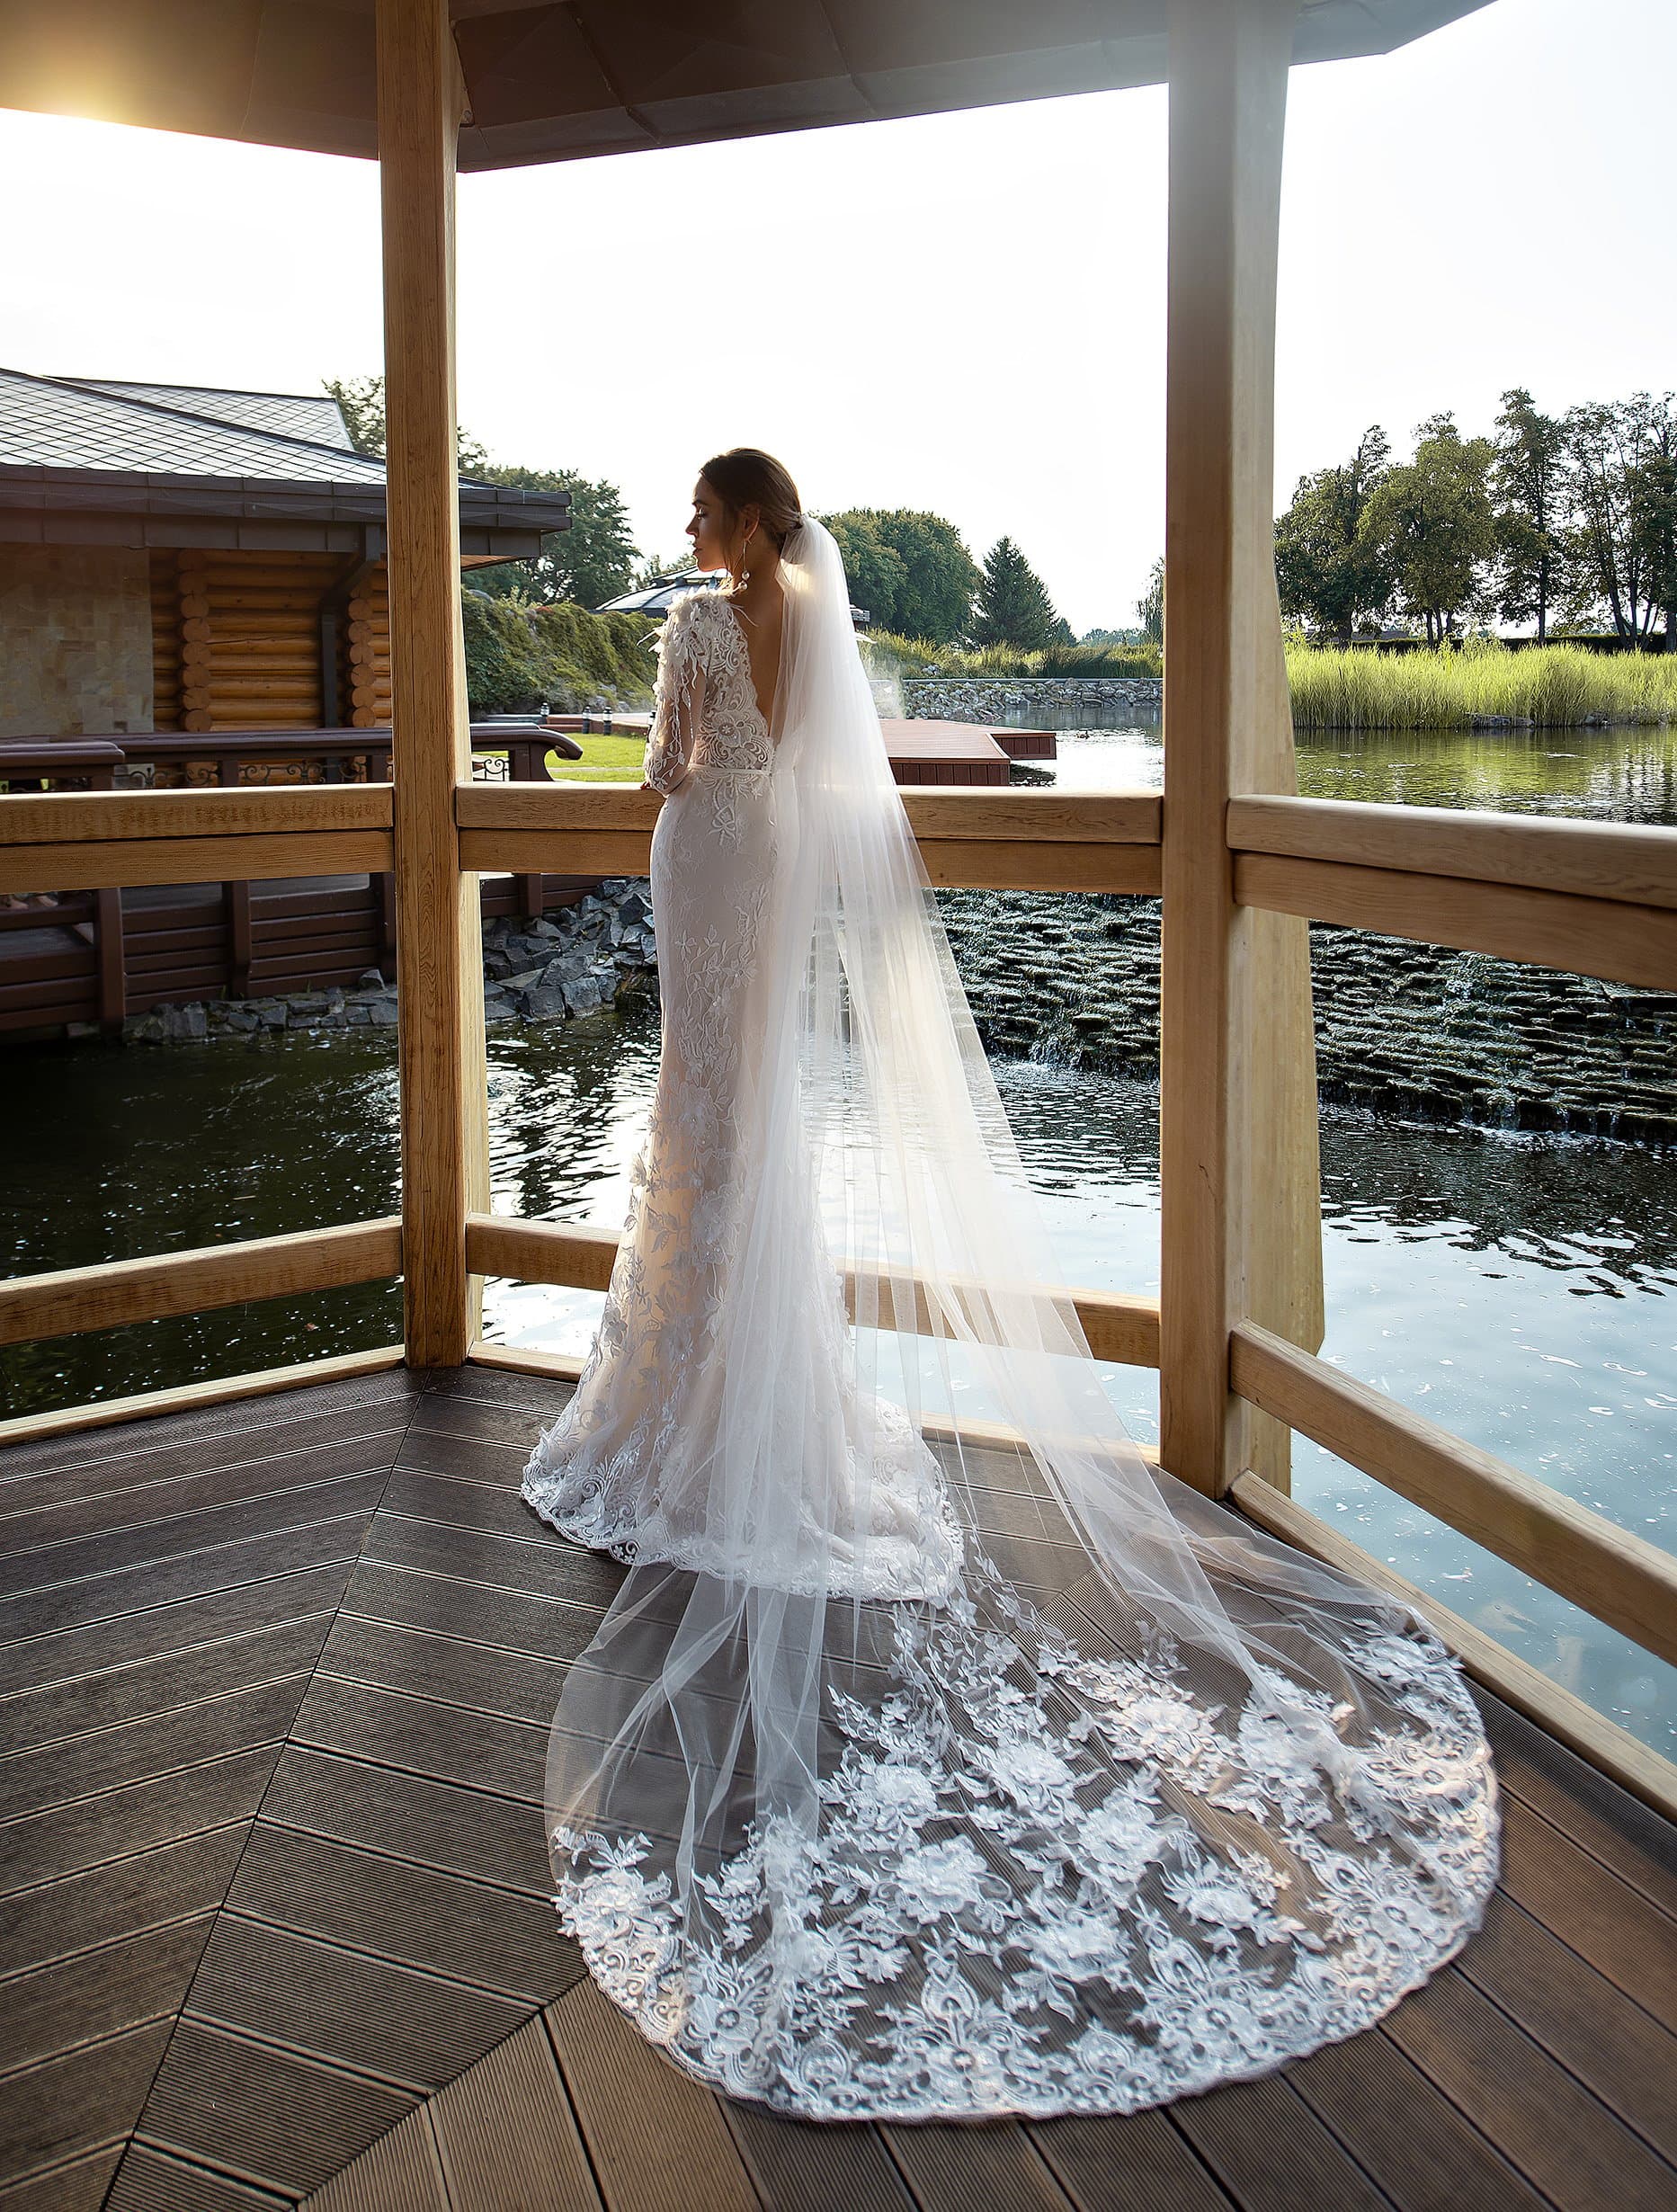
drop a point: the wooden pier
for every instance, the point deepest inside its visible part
(278, 1675)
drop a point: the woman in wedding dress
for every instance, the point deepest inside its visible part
(938, 1757)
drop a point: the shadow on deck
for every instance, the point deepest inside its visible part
(277, 1680)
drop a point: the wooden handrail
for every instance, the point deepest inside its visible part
(1620, 1578)
(1619, 861)
(70, 1301)
(1120, 1328)
(1578, 935)
(98, 818)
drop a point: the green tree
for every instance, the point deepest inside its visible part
(361, 401)
(1432, 522)
(1150, 606)
(1655, 523)
(1331, 574)
(1615, 456)
(1013, 606)
(873, 569)
(1528, 493)
(589, 563)
(940, 576)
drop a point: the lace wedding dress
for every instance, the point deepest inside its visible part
(937, 1757)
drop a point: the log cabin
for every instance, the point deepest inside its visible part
(279, 1931)
(174, 558)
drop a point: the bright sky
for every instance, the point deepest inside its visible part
(964, 312)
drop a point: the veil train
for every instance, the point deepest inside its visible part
(974, 1767)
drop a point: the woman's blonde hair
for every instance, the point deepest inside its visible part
(744, 476)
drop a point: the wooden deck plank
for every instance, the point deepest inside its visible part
(657, 2139)
(1580, 2018)
(448, 1826)
(496, 1508)
(151, 1889)
(269, 2116)
(324, 2001)
(952, 2169)
(45, 1530)
(1399, 2125)
(1135, 2164)
(152, 2181)
(1606, 1922)
(502, 1939)
(334, 1537)
(445, 1743)
(506, 2134)
(538, 1567)
(500, 1620)
(511, 1684)
(154, 1542)
(1566, 2141)
(83, 1766)
(230, 1417)
(390, 1926)
(77, 2103)
(153, 1632)
(400, 2172)
(1271, 2152)
(79, 2187)
(98, 1994)
(148, 1689)
(839, 2166)
(1619, 1830)
(119, 1823)
(133, 1473)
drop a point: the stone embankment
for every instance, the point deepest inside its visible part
(1411, 1030)
(975, 699)
(1403, 1029)
(571, 961)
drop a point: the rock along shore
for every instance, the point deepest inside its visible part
(975, 699)
(1073, 979)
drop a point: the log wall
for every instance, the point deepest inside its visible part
(364, 653)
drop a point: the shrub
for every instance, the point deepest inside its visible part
(518, 654)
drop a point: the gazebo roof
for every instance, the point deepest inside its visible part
(551, 80)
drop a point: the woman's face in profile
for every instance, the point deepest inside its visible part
(706, 528)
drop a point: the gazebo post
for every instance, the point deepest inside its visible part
(1239, 1164)
(438, 921)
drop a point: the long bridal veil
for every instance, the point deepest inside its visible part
(979, 1768)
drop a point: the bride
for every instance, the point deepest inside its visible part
(938, 1757)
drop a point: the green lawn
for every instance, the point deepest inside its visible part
(605, 760)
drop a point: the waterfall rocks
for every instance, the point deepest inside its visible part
(573, 960)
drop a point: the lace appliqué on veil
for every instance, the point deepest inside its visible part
(1026, 1915)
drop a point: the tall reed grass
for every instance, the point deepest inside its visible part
(1558, 686)
(889, 655)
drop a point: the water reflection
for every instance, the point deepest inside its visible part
(1620, 775)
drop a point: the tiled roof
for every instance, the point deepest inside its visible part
(314, 416)
(49, 424)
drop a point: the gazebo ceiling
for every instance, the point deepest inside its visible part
(551, 80)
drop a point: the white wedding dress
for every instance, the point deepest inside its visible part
(937, 1757)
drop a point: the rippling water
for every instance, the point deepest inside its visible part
(1521, 1290)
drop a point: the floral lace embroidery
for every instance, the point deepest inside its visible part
(1056, 1903)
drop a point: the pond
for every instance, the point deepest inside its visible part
(1519, 1287)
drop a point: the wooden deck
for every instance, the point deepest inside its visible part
(277, 1680)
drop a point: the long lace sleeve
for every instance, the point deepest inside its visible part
(677, 700)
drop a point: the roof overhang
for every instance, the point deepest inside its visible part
(125, 507)
(554, 80)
